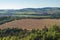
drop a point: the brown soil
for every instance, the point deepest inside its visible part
(31, 23)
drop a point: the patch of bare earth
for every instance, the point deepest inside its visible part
(31, 23)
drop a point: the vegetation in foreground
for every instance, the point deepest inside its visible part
(24, 34)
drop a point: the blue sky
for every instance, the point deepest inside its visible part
(19, 4)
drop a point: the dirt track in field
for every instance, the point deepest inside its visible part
(31, 23)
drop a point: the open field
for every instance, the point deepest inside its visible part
(31, 23)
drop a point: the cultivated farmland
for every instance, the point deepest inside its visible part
(31, 23)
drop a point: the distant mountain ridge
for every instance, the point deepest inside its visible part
(46, 10)
(32, 9)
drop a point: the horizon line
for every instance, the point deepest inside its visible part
(25, 8)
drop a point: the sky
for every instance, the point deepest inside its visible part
(19, 4)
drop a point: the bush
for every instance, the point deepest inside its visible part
(24, 34)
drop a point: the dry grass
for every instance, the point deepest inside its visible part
(31, 23)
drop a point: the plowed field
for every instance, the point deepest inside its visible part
(31, 23)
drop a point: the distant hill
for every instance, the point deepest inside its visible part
(33, 13)
(48, 10)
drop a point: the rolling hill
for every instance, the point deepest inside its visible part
(29, 13)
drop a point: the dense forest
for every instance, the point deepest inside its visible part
(52, 33)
